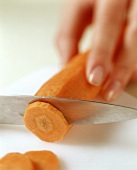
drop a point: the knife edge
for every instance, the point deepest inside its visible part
(12, 109)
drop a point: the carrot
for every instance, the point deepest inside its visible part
(15, 161)
(32, 160)
(44, 120)
(43, 160)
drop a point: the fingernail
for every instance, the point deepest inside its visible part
(96, 77)
(113, 91)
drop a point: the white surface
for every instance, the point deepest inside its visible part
(88, 147)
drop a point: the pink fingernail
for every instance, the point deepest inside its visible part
(96, 77)
(113, 91)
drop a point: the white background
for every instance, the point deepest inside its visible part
(27, 37)
(27, 32)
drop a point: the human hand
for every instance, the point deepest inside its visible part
(108, 64)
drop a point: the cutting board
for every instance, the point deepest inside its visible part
(86, 147)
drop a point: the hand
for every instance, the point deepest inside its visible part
(109, 64)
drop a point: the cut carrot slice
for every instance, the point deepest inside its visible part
(43, 160)
(46, 121)
(15, 161)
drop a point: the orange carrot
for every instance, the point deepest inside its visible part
(15, 161)
(44, 120)
(43, 160)
(32, 160)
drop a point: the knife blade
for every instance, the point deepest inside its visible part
(12, 109)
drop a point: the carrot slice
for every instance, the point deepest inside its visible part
(43, 119)
(15, 161)
(43, 160)
(46, 121)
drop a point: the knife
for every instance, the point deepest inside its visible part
(12, 109)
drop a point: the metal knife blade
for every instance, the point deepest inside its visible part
(12, 109)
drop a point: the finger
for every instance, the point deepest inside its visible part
(108, 24)
(76, 16)
(126, 61)
(134, 75)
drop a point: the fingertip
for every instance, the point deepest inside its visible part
(96, 76)
(97, 69)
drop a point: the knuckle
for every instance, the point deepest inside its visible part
(101, 52)
(123, 73)
(112, 15)
(124, 70)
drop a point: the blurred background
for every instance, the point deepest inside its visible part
(27, 32)
(27, 37)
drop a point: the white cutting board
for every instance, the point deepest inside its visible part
(87, 147)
